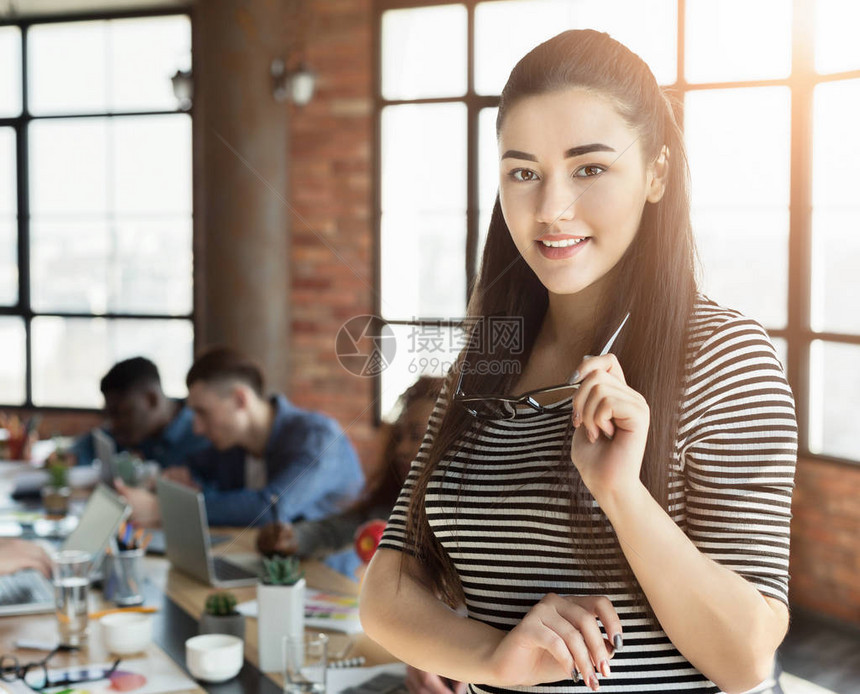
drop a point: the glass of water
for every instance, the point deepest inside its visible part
(71, 589)
(305, 662)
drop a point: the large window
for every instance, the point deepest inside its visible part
(770, 93)
(95, 205)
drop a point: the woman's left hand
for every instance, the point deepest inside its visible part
(611, 421)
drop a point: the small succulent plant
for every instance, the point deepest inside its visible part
(281, 571)
(58, 473)
(221, 604)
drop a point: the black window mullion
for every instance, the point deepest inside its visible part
(23, 175)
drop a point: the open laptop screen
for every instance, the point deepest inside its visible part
(99, 521)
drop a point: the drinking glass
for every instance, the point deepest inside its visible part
(71, 570)
(305, 662)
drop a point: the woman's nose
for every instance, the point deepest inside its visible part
(557, 200)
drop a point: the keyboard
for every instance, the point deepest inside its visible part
(228, 571)
(23, 587)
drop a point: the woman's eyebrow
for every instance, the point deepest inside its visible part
(569, 154)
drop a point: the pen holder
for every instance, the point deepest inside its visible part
(123, 581)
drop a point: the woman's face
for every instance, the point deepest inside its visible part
(573, 185)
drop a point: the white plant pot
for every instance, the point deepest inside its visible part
(280, 613)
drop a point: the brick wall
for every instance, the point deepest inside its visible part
(332, 234)
(825, 539)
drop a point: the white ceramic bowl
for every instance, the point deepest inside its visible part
(214, 657)
(125, 633)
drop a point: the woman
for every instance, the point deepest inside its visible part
(641, 515)
(322, 537)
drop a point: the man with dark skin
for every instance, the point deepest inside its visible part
(142, 419)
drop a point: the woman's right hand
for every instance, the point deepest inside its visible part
(420, 682)
(277, 538)
(558, 635)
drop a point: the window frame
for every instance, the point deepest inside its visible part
(20, 125)
(801, 82)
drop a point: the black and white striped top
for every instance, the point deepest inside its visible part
(506, 527)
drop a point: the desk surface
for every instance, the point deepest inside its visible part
(180, 599)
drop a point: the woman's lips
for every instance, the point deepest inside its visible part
(561, 252)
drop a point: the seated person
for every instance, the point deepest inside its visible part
(17, 555)
(141, 418)
(317, 538)
(265, 449)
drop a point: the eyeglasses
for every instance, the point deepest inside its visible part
(35, 675)
(494, 407)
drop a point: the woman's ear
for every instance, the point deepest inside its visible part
(658, 172)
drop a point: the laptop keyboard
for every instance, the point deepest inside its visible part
(228, 571)
(25, 587)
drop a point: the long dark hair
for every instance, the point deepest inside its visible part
(654, 281)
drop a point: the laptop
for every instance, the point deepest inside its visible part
(186, 534)
(28, 591)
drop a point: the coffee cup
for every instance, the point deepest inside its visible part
(125, 633)
(214, 657)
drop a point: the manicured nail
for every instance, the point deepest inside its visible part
(604, 668)
(575, 378)
(586, 357)
(591, 436)
(574, 675)
(575, 416)
(618, 642)
(593, 684)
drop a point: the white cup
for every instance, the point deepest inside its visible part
(214, 657)
(125, 633)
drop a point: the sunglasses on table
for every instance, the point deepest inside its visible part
(35, 675)
(495, 407)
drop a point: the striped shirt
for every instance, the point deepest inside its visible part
(504, 524)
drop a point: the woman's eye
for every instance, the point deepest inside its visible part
(590, 171)
(523, 175)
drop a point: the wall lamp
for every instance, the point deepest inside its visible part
(296, 86)
(183, 88)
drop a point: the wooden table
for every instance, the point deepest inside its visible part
(189, 596)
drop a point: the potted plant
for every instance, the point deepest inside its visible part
(55, 495)
(220, 616)
(280, 609)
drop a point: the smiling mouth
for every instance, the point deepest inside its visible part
(564, 243)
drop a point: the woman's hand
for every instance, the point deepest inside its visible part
(611, 421)
(277, 538)
(559, 639)
(16, 554)
(420, 682)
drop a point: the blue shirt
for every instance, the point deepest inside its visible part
(172, 446)
(310, 465)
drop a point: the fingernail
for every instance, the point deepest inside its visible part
(575, 416)
(618, 642)
(574, 675)
(586, 357)
(574, 378)
(593, 683)
(591, 436)
(604, 668)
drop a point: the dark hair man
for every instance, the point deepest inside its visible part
(141, 418)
